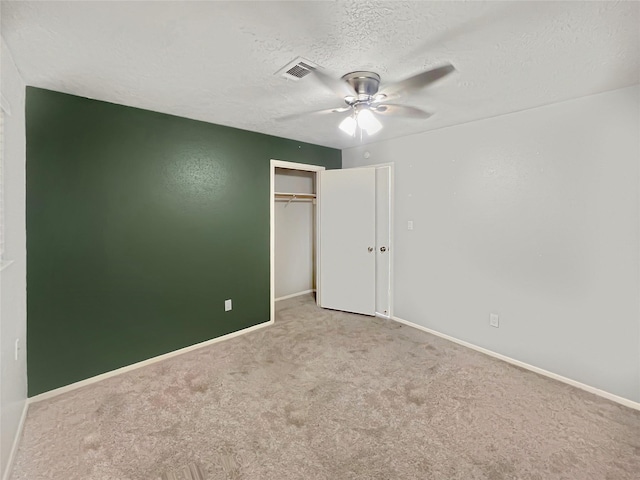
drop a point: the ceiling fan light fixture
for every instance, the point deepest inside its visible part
(359, 91)
(348, 126)
(367, 121)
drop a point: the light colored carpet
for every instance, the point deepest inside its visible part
(329, 395)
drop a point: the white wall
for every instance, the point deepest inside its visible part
(13, 293)
(534, 216)
(294, 234)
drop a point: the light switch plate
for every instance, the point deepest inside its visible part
(227, 305)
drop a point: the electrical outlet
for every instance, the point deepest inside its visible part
(494, 320)
(227, 305)
(410, 225)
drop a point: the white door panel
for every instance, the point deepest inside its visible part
(346, 220)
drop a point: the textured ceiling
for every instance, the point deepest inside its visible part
(215, 61)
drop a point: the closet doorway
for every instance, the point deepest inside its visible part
(293, 230)
(331, 232)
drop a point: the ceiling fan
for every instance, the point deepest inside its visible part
(364, 100)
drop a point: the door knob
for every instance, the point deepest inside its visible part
(370, 249)
(383, 249)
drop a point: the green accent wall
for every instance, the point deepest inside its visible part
(139, 226)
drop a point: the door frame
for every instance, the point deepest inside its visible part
(392, 245)
(272, 222)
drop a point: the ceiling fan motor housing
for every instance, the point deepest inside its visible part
(365, 84)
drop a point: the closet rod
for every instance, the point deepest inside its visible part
(297, 195)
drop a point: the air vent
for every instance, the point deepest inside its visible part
(297, 69)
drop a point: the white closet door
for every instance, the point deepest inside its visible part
(347, 240)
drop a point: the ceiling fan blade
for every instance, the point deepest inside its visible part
(316, 112)
(478, 17)
(417, 82)
(400, 111)
(336, 85)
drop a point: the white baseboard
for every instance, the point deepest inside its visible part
(294, 295)
(144, 363)
(16, 442)
(588, 388)
(113, 373)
